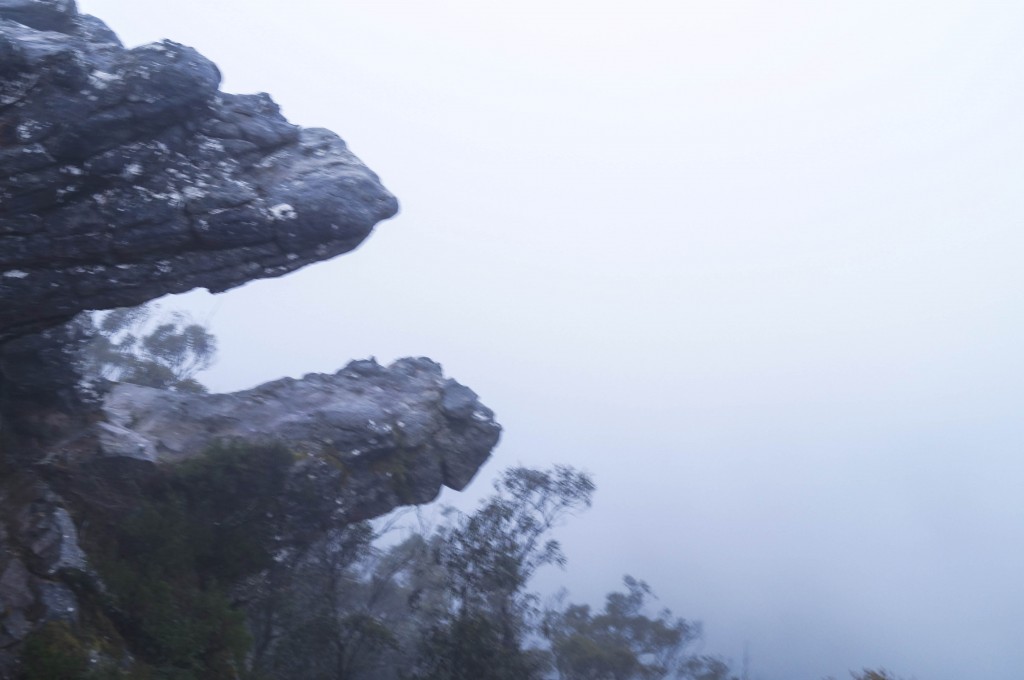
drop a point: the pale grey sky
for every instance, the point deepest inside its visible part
(754, 265)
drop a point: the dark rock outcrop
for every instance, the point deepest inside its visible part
(127, 175)
(363, 441)
(40, 546)
(372, 437)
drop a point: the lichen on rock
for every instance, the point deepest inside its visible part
(128, 174)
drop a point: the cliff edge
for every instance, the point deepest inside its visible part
(125, 175)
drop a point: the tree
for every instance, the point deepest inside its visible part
(453, 603)
(137, 345)
(345, 609)
(623, 643)
(310, 620)
(491, 555)
(869, 674)
(879, 674)
(488, 558)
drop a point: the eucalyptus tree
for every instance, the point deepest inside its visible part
(144, 346)
(624, 642)
(488, 559)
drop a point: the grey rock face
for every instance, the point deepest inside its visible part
(372, 437)
(38, 547)
(366, 440)
(127, 175)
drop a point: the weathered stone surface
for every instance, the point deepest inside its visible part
(38, 548)
(366, 440)
(125, 174)
(374, 437)
(41, 388)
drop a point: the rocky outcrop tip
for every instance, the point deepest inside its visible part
(128, 175)
(374, 437)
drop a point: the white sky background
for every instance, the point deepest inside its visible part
(757, 266)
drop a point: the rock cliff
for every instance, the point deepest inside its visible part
(125, 174)
(128, 175)
(373, 437)
(355, 444)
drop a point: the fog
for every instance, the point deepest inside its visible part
(756, 266)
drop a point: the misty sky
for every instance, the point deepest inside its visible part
(755, 265)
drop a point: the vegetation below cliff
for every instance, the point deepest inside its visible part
(197, 581)
(166, 560)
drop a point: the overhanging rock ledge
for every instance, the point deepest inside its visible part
(127, 175)
(372, 437)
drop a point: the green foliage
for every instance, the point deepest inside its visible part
(622, 642)
(313, 623)
(869, 674)
(134, 345)
(60, 651)
(471, 647)
(488, 559)
(705, 667)
(448, 604)
(492, 554)
(208, 523)
(233, 496)
(454, 604)
(54, 653)
(332, 645)
(879, 674)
